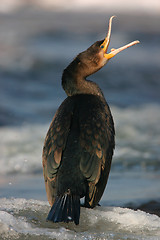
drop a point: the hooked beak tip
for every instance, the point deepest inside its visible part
(106, 42)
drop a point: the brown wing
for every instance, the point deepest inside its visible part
(97, 142)
(54, 145)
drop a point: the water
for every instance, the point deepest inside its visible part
(22, 219)
(36, 45)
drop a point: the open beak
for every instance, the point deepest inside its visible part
(106, 42)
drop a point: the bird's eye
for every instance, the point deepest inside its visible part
(101, 46)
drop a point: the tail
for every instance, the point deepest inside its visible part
(66, 208)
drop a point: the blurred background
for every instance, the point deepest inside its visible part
(38, 39)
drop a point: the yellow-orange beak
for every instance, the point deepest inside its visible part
(106, 42)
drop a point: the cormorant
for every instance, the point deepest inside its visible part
(79, 145)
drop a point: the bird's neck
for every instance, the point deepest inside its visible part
(74, 80)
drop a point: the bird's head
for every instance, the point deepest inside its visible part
(96, 56)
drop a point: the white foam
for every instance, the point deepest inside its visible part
(21, 217)
(137, 135)
(137, 141)
(132, 220)
(21, 148)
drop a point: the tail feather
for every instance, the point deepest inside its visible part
(66, 208)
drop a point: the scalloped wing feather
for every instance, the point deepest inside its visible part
(97, 142)
(54, 145)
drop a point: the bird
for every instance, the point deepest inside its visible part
(80, 142)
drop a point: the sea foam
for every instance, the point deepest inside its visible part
(21, 147)
(26, 219)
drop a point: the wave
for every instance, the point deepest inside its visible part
(137, 142)
(25, 219)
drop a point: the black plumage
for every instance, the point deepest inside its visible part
(79, 145)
